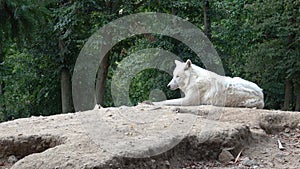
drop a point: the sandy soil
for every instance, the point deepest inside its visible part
(267, 127)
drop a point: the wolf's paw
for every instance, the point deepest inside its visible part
(148, 102)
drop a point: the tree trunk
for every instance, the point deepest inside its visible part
(2, 85)
(207, 24)
(66, 91)
(101, 79)
(298, 97)
(288, 95)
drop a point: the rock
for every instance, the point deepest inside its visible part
(225, 156)
(167, 163)
(154, 137)
(12, 159)
(287, 130)
(249, 163)
(276, 122)
(238, 167)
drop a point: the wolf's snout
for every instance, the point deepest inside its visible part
(172, 85)
(168, 86)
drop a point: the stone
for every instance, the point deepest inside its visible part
(276, 122)
(249, 163)
(12, 159)
(225, 156)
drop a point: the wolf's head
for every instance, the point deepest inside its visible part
(181, 75)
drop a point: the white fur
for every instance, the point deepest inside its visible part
(203, 87)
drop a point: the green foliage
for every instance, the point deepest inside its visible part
(20, 18)
(256, 40)
(148, 81)
(31, 87)
(275, 54)
(262, 43)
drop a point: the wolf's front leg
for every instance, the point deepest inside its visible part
(175, 102)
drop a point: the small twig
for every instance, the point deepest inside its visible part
(280, 145)
(238, 156)
(294, 144)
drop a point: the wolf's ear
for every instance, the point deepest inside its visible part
(177, 62)
(188, 64)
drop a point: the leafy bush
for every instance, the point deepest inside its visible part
(31, 85)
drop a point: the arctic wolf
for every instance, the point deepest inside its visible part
(203, 87)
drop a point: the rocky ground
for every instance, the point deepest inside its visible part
(262, 153)
(147, 136)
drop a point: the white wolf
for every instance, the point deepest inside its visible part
(203, 87)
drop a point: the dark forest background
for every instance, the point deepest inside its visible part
(40, 41)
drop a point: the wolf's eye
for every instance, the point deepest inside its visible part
(177, 76)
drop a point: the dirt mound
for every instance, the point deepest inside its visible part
(148, 136)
